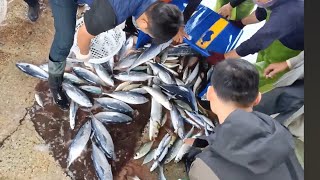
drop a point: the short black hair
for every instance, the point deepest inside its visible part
(164, 21)
(236, 80)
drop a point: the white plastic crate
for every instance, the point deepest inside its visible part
(104, 46)
(3, 10)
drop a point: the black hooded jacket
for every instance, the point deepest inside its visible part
(251, 146)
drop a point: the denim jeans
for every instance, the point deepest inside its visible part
(64, 14)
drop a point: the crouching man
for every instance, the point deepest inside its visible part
(247, 145)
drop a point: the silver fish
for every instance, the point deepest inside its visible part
(164, 56)
(155, 119)
(79, 142)
(158, 161)
(206, 130)
(122, 85)
(177, 122)
(103, 137)
(131, 86)
(139, 90)
(163, 143)
(140, 68)
(182, 62)
(72, 78)
(149, 157)
(126, 47)
(188, 120)
(169, 70)
(193, 75)
(76, 95)
(197, 83)
(176, 147)
(196, 118)
(149, 71)
(103, 74)
(209, 73)
(162, 73)
(159, 96)
(207, 120)
(127, 61)
(128, 97)
(184, 149)
(72, 114)
(154, 165)
(45, 67)
(171, 65)
(91, 89)
(112, 117)
(143, 150)
(182, 104)
(172, 58)
(109, 65)
(133, 76)
(185, 74)
(88, 76)
(179, 82)
(38, 99)
(114, 104)
(164, 119)
(161, 173)
(33, 70)
(101, 164)
(164, 153)
(150, 53)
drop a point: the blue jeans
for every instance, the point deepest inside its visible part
(64, 14)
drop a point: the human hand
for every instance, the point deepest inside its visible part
(225, 11)
(178, 38)
(81, 57)
(189, 141)
(275, 68)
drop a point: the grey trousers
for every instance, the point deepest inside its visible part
(284, 100)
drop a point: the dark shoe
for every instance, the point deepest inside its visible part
(59, 97)
(33, 12)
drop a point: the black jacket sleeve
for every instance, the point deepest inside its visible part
(191, 7)
(235, 3)
(274, 29)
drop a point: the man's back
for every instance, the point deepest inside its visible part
(251, 145)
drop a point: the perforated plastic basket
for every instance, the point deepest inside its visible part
(104, 46)
(3, 10)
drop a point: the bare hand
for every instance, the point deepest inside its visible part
(225, 11)
(178, 38)
(189, 141)
(274, 69)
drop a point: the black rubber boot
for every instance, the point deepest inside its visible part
(33, 12)
(56, 70)
(59, 97)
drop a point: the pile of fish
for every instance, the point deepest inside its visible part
(164, 72)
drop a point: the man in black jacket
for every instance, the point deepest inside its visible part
(247, 144)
